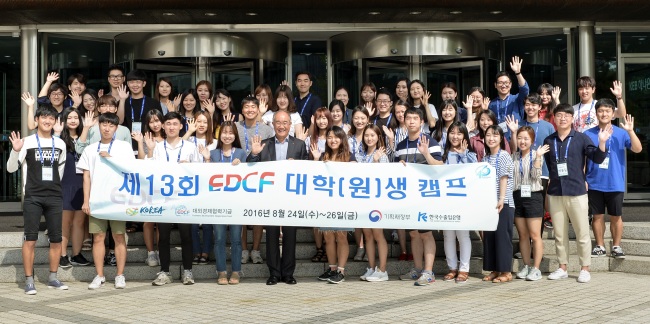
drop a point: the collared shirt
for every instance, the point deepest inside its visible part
(281, 149)
(187, 150)
(581, 147)
(513, 104)
(611, 179)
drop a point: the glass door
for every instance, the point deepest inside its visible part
(236, 76)
(465, 75)
(181, 71)
(385, 72)
(635, 75)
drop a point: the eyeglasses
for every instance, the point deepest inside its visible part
(56, 94)
(563, 116)
(115, 77)
(383, 101)
(135, 82)
(503, 83)
(282, 123)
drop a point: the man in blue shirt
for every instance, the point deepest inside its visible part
(506, 104)
(607, 180)
(567, 193)
(306, 102)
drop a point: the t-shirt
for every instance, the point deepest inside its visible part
(94, 135)
(504, 168)
(363, 157)
(295, 119)
(246, 133)
(228, 157)
(321, 144)
(119, 150)
(407, 151)
(611, 179)
(201, 141)
(183, 151)
(307, 106)
(542, 130)
(584, 116)
(29, 158)
(135, 110)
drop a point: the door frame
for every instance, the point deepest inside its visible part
(456, 65)
(631, 59)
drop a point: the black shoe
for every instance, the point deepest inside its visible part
(64, 262)
(337, 278)
(110, 259)
(327, 274)
(273, 280)
(195, 261)
(79, 260)
(289, 280)
(204, 260)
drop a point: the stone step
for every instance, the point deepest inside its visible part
(631, 264)
(635, 247)
(636, 231)
(549, 263)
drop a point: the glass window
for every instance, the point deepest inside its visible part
(11, 186)
(91, 58)
(544, 61)
(606, 64)
(274, 74)
(312, 57)
(346, 74)
(635, 42)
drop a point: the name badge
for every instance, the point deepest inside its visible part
(525, 191)
(47, 174)
(605, 164)
(562, 169)
(504, 127)
(136, 127)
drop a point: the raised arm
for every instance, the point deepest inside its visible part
(51, 77)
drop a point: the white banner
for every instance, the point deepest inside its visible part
(298, 193)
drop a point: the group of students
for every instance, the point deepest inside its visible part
(528, 139)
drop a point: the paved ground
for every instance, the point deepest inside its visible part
(610, 297)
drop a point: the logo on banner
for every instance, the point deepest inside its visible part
(131, 211)
(483, 171)
(145, 211)
(181, 210)
(422, 217)
(233, 182)
(375, 216)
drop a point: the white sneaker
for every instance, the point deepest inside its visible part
(163, 278)
(244, 256)
(188, 278)
(369, 272)
(152, 259)
(256, 257)
(97, 283)
(584, 276)
(378, 276)
(523, 272)
(558, 274)
(120, 282)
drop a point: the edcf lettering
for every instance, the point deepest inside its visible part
(233, 182)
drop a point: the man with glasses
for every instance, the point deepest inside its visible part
(507, 104)
(567, 194)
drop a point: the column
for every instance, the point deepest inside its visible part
(586, 49)
(28, 68)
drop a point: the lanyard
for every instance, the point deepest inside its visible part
(179, 150)
(109, 145)
(459, 159)
(70, 102)
(141, 109)
(566, 154)
(257, 125)
(355, 143)
(588, 119)
(370, 157)
(232, 152)
(536, 133)
(40, 152)
(505, 111)
(407, 149)
(387, 123)
(521, 164)
(304, 105)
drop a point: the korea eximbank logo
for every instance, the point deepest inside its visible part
(483, 171)
(375, 216)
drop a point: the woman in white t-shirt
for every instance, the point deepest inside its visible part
(418, 98)
(283, 101)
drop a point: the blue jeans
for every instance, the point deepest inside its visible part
(220, 247)
(197, 247)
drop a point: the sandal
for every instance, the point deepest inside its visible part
(491, 276)
(503, 277)
(87, 245)
(450, 276)
(234, 278)
(223, 278)
(319, 256)
(462, 277)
